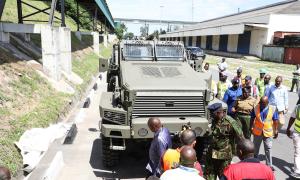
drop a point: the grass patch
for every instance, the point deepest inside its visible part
(10, 13)
(26, 88)
(89, 65)
(85, 68)
(44, 114)
(106, 51)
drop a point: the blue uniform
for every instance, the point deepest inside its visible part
(230, 96)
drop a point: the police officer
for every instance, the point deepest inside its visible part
(242, 108)
(225, 131)
(260, 83)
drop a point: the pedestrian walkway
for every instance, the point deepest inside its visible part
(82, 157)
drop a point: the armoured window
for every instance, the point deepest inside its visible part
(169, 52)
(139, 51)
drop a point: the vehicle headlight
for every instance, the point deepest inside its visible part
(143, 132)
(198, 131)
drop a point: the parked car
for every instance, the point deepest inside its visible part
(195, 52)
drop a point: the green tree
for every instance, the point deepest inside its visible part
(120, 30)
(128, 35)
(154, 35)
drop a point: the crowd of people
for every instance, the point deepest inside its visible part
(254, 114)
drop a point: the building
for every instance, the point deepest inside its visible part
(242, 33)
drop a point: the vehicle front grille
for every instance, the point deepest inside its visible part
(179, 106)
(115, 117)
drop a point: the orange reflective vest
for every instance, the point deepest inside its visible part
(263, 127)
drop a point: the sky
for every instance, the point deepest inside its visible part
(178, 10)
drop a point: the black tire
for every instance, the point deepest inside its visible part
(110, 157)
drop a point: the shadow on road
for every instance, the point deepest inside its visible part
(283, 165)
(132, 163)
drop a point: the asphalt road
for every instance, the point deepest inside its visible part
(83, 158)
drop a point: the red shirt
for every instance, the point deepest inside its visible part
(248, 169)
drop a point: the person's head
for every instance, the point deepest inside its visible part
(206, 66)
(217, 110)
(278, 81)
(262, 73)
(264, 101)
(245, 149)
(235, 83)
(154, 124)
(187, 156)
(223, 77)
(246, 92)
(239, 72)
(153, 178)
(248, 80)
(4, 173)
(223, 59)
(188, 138)
(267, 79)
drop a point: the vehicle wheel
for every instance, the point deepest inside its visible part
(110, 157)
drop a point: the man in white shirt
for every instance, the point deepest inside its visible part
(186, 168)
(278, 97)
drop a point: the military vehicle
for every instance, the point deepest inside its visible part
(150, 79)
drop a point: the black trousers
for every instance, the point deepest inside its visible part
(295, 82)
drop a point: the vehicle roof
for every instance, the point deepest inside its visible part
(158, 75)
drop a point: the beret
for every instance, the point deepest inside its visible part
(215, 107)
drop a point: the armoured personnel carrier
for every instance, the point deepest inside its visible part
(150, 79)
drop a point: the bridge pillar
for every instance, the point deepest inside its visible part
(65, 57)
(4, 36)
(50, 51)
(96, 42)
(78, 35)
(104, 36)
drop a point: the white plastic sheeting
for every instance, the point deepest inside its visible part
(34, 142)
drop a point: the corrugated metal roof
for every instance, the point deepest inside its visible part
(104, 8)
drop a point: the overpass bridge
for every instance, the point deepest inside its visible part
(171, 24)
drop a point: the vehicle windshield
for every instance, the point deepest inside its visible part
(169, 51)
(138, 51)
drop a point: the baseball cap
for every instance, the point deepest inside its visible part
(262, 71)
(247, 78)
(235, 81)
